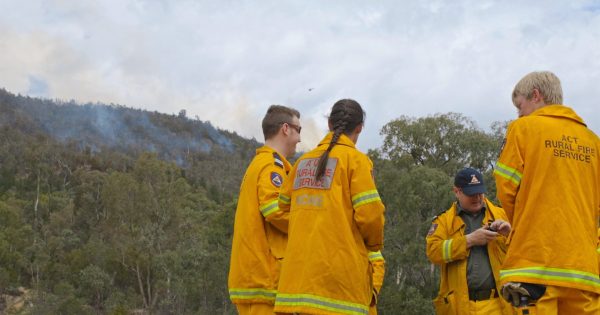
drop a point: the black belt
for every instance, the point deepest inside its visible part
(481, 295)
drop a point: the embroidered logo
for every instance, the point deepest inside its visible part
(276, 179)
(307, 170)
(474, 180)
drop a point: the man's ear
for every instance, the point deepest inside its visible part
(455, 191)
(285, 128)
(536, 96)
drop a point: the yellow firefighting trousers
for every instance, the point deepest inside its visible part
(561, 300)
(255, 309)
(486, 307)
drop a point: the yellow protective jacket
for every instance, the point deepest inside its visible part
(548, 182)
(598, 249)
(334, 223)
(378, 265)
(260, 230)
(447, 247)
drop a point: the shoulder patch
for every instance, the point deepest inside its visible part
(278, 160)
(276, 179)
(432, 229)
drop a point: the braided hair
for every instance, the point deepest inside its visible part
(346, 115)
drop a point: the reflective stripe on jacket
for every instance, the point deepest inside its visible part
(378, 265)
(260, 230)
(548, 181)
(334, 223)
(447, 247)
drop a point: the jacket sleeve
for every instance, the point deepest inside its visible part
(509, 170)
(499, 214)
(378, 262)
(285, 193)
(368, 208)
(270, 180)
(443, 249)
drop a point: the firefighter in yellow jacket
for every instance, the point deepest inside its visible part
(548, 182)
(336, 218)
(467, 242)
(260, 228)
(378, 265)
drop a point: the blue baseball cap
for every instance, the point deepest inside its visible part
(470, 181)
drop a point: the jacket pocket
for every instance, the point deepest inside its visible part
(274, 269)
(445, 304)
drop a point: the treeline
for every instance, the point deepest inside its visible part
(89, 225)
(94, 224)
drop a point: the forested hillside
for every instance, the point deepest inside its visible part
(106, 209)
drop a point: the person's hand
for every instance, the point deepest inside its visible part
(374, 298)
(501, 227)
(512, 292)
(480, 237)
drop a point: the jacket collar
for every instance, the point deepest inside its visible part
(458, 223)
(266, 149)
(460, 209)
(559, 111)
(343, 140)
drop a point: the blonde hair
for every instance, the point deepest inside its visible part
(544, 81)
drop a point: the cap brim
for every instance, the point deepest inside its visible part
(473, 190)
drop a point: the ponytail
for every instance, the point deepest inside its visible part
(337, 132)
(345, 116)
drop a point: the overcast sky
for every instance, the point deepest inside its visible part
(226, 61)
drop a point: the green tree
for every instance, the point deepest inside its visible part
(143, 222)
(443, 141)
(15, 238)
(94, 285)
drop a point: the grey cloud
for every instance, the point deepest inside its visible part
(226, 61)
